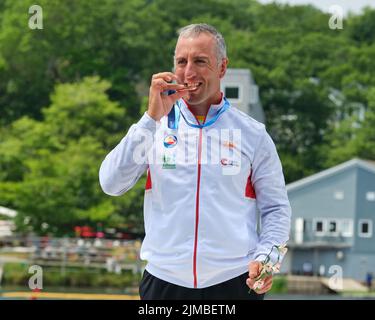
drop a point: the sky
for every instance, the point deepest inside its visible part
(354, 6)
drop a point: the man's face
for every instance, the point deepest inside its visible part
(196, 65)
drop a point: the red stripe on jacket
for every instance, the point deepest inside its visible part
(250, 192)
(148, 185)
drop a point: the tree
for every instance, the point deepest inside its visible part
(362, 27)
(353, 137)
(79, 39)
(52, 165)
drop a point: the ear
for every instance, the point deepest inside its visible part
(223, 67)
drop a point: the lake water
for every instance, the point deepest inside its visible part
(315, 297)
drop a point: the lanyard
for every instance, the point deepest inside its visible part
(174, 116)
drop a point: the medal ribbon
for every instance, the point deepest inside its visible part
(174, 116)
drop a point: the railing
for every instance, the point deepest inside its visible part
(311, 238)
(113, 255)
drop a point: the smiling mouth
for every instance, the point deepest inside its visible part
(192, 86)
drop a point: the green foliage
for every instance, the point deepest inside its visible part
(53, 181)
(279, 285)
(83, 109)
(354, 137)
(79, 38)
(362, 28)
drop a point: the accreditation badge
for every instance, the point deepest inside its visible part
(169, 154)
(170, 141)
(169, 161)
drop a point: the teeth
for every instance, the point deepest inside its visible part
(191, 85)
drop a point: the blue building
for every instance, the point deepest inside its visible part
(332, 223)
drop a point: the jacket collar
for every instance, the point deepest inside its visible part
(211, 111)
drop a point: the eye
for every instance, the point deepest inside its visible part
(200, 61)
(181, 62)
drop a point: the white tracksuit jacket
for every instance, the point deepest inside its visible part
(205, 187)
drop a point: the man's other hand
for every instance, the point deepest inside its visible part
(255, 268)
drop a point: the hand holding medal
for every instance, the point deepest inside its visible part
(161, 104)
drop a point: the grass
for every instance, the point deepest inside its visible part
(279, 285)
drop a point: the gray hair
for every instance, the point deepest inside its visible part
(194, 30)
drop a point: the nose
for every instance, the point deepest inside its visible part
(190, 71)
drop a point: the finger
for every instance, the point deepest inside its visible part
(177, 87)
(250, 282)
(267, 281)
(177, 95)
(159, 84)
(266, 287)
(167, 76)
(254, 269)
(162, 85)
(172, 90)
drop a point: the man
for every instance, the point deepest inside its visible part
(210, 167)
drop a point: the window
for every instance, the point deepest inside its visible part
(332, 228)
(346, 227)
(319, 227)
(232, 92)
(338, 195)
(322, 270)
(370, 196)
(365, 228)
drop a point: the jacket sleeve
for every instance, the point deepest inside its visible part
(272, 199)
(126, 163)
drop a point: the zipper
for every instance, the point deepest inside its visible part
(197, 198)
(197, 209)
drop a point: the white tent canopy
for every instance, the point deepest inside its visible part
(7, 212)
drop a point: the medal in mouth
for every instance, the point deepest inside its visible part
(192, 86)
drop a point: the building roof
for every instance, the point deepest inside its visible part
(353, 163)
(239, 71)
